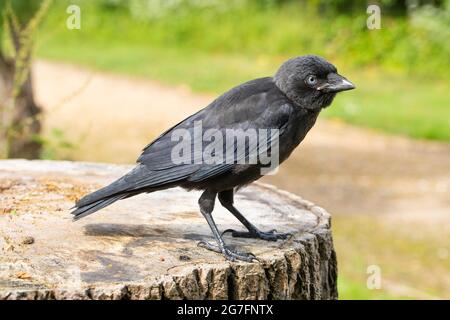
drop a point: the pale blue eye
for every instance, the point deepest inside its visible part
(311, 80)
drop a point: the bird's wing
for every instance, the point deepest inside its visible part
(256, 104)
(250, 106)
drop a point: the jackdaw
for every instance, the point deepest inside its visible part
(284, 107)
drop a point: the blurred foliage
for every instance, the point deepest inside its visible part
(286, 28)
(393, 7)
(335, 6)
(55, 145)
(23, 9)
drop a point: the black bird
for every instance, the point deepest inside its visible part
(288, 102)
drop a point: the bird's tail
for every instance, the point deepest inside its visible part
(119, 189)
(138, 180)
(85, 210)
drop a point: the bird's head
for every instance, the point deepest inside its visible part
(310, 81)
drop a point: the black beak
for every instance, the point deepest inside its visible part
(336, 83)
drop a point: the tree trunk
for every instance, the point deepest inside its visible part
(146, 247)
(20, 123)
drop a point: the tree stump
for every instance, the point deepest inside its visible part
(146, 247)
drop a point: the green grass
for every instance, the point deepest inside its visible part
(353, 290)
(407, 255)
(412, 106)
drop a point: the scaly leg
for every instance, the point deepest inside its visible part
(206, 203)
(226, 199)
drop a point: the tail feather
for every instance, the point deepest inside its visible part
(138, 180)
(83, 211)
(122, 185)
(119, 189)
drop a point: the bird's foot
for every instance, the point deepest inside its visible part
(271, 235)
(230, 254)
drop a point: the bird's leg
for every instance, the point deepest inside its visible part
(226, 199)
(206, 203)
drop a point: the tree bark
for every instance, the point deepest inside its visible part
(20, 124)
(146, 247)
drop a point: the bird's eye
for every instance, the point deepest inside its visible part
(311, 80)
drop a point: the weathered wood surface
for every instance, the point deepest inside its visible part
(146, 247)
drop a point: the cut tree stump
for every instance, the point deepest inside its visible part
(146, 247)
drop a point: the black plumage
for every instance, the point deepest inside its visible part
(288, 102)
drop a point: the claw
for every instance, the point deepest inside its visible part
(236, 255)
(202, 244)
(271, 235)
(209, 246)
(227, 230)
(253, 257)
(229, 254)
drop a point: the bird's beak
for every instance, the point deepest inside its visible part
(336, 83)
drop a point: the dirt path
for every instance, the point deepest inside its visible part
(344, 169)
